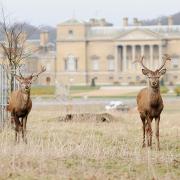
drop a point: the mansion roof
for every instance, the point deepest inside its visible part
(112, 32)
(72, 22)
(100, 29)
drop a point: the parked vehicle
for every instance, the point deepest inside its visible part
(117, 105)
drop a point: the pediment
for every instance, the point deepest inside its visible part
(139, 34)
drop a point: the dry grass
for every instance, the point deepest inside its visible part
(89, 150)
(105, 92)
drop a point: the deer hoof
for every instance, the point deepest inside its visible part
(144, 145)
(25, 140)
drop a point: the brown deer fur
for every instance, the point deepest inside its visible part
(150, 103)
(20, 104)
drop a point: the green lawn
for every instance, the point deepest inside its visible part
(43, 90)
(80, 89)
(49, 91)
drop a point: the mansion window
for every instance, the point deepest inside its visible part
(110, 63)
(70, 32)
(48, 67)
(95, 63)
(71, 63)
(175, 62)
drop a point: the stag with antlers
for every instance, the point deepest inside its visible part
(20, 104)
(149, 101)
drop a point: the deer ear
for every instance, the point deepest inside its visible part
(162, 72)
(18, 78)
(145, 71)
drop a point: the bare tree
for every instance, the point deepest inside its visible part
(13, 46)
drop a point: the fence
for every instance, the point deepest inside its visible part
(4, 94)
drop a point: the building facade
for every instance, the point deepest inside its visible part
(85, 50)
(44, 55)
(39, 52)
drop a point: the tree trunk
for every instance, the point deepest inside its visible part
(12, 78)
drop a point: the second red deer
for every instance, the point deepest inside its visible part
(20, 104)
(150, 103)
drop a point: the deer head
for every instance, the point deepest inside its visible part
(25, 82)
(154, 76)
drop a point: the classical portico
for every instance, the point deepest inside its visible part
(131, 46)
(125, 55)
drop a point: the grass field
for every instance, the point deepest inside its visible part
(90, 150)
(91, 92)
(43, 90)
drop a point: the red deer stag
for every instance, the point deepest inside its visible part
(20, 104)
(150, 103)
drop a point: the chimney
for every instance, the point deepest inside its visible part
(139, 23)
(44, 38)
(159, 22)
(170, 21)
(102, 22)
(92, 20)
(125, 21)
(135, 21)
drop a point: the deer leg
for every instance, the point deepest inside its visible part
(24, 129)
(16, 136)
(144, 125)
(157, 120)
(12, 120)
(22, 125)
(17, 129)
(18, 132)
(149, 132)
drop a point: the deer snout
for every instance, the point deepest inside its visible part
(26, 87)
(155, 84)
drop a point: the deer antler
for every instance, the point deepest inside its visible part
(165, 59)
(43, 69)
(20, 72)
(140, 60)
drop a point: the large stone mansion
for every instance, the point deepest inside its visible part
(97, 49)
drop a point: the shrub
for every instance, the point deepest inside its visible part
(177, 90)
(164, 89)
(132, 83)
(143, 82)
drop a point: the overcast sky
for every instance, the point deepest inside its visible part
(52, 12)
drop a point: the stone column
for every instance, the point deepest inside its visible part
(116, 65)
(124, 58)
(160, 54)
(142, 50)
(133, 57)
(151, 66)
